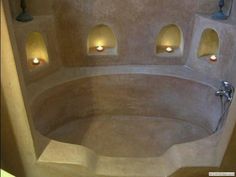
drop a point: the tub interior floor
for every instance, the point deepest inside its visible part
(128, 136)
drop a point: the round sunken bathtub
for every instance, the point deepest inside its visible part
(127, 115)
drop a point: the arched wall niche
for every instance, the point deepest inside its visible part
(170, 41)
(101, 41)
(36, 51)
(209, 43)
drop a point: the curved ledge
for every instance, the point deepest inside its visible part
(220, 22)
(197, 153)
(70, 74)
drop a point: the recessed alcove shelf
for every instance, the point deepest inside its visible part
(223, 33)
(101, 41)
(209, 45)
(37, 40)
(33, 38)
(36, 51)
(169, 42)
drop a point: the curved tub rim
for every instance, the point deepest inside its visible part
(41, 91)
(166, 164)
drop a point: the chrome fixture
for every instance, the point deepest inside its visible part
(24, 16)
(221, 15)
(226, 90)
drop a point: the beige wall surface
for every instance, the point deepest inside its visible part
(10, 157)
(65, 27)
(136, 24)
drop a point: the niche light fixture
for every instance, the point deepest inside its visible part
(100, 48)
(213, 58)
(36, 61)
(169, 49)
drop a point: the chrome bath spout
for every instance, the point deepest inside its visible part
(226, 90)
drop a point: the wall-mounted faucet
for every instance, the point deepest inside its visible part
(226, 90)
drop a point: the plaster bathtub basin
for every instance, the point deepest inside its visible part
(123, 123)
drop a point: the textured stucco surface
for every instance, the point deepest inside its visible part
(226, 33)
(128, 136)
(45, 26)
(138, 95)
(136, 28)
(8, 145)
(65, 25)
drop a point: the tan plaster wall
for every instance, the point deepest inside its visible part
(227, 45)
(11, 90)
(67, 24)
(10, 157)
(12, 93)
(21, 128)
(45, 26)
(136, 29)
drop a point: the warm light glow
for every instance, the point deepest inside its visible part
(100, 48)
(209, 44)
(213, 58)
(100, 42)
(36, 61)
(169, 49)
(169, 39)
(36, 47)
(5, 174)
(101, 39)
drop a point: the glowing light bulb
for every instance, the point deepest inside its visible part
(36, 61)
(99, 48)
(169, 49)
(213, 58)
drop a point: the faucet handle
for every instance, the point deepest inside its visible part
(228, 88)
(225, 83)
